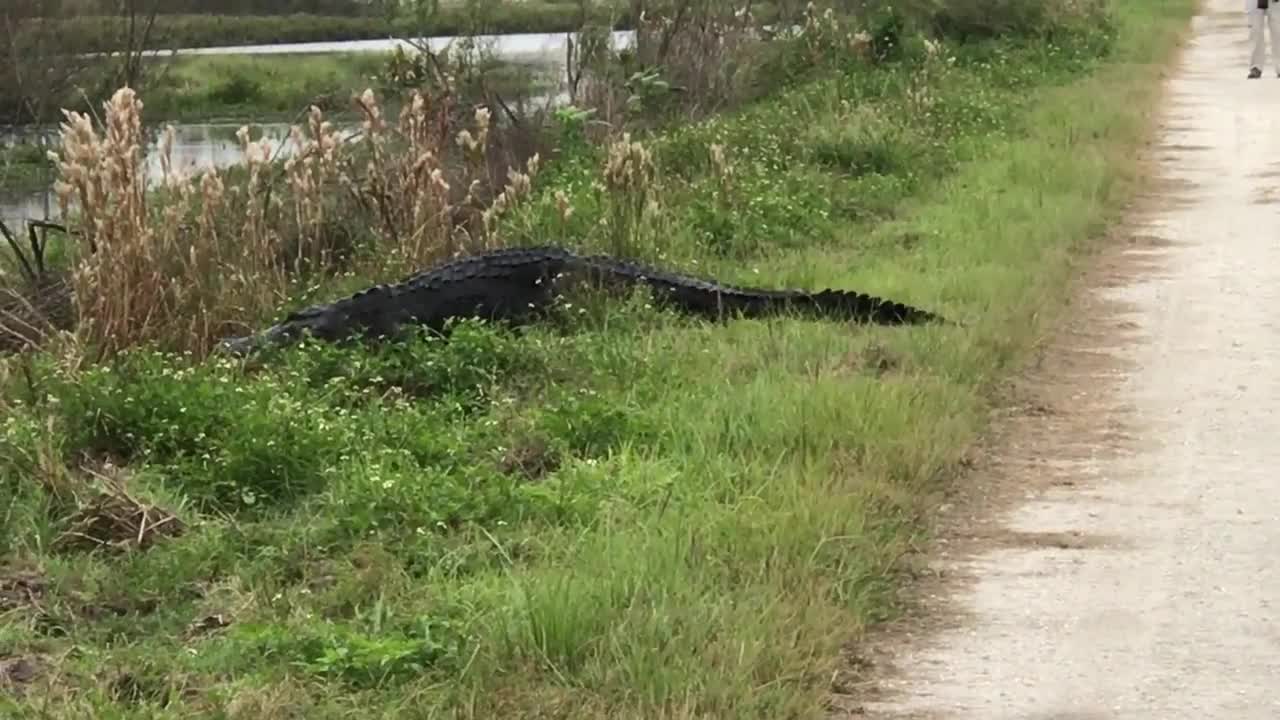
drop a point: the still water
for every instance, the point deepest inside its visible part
(195, 146)
(516, 47)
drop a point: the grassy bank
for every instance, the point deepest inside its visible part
(24, 167)
(644, 517)
(264, 88)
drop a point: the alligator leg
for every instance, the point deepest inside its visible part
(515, 293)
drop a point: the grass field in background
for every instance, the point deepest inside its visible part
(263, 88)
(24, 167)
(645, 517)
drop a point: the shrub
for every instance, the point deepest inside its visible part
(970, 20)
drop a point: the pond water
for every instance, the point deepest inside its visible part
(201, 145)
(516, 47)
(195, 146)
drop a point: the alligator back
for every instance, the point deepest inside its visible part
(518, 284)
(511, 285)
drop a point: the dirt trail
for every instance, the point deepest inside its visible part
(1133, 567)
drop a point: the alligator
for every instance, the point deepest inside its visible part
(516, 285)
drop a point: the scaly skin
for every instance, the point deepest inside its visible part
(519, 284)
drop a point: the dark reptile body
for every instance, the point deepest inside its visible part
(518, 284)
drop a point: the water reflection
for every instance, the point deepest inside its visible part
(545, 47)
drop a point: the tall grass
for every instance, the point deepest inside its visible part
(182, 262)
(645, 517)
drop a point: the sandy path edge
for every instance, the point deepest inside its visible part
(1109, 553)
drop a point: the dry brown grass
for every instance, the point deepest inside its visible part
(184, 261)
(691, 58)
(708, 51)
(32, 311)
(35, 300)
(629, 175)
(115, 520)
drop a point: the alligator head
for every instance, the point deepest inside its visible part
(366, 312)
(245, 345)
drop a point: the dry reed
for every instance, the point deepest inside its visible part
(178, 263)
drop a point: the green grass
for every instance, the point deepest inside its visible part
(645, 517)
(24, 167)
(268, 87)
(259, 87)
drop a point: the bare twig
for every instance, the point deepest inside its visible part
(9, 238)
(37, 248)
(516, 121)
(115, 519)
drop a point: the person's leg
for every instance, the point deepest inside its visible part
(1257, 38)
(1273, 29)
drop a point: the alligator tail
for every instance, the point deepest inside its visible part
(711, 299)
(834, 304)
(863, 308)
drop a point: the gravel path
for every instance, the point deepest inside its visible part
(1136, 573)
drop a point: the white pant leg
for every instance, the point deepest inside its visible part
(1258, 36)
(1273, 29)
